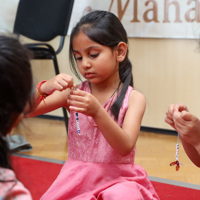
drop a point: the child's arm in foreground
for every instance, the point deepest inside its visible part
(188, 127)
(123, 139)
(57, 90)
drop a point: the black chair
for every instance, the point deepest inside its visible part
(42, 21)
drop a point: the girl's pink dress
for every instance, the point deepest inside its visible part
(94, 170)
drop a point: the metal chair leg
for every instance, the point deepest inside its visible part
(64, 109)
(65, 118)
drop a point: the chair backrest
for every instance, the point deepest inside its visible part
(43, 20)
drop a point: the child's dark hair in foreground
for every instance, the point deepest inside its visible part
(15, 90)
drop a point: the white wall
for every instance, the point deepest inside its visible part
(165, 70)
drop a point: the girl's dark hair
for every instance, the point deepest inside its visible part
(15, 88)
(106, 29)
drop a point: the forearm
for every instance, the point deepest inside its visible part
(51, 94)
(123, 139)
(52, 102)
(119, 140)
(38, 98)
(192, 152)
(198, 148)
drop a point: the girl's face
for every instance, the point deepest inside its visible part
(96, 63)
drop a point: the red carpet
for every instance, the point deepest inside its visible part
(173, 192)
(37, 176)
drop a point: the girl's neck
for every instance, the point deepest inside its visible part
(104, 93)
(104, 88)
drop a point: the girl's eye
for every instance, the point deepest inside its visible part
(94, 55)
(78, 58)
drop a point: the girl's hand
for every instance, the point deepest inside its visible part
(83, 102)
(188, 126)
(185, 123)
(170, 113)
(59, 82)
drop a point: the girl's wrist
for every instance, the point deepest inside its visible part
(98, 112)
(41, 94)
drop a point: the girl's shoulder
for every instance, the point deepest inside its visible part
(136, 94)
(134, 98)
(132, 93)
(137, 97)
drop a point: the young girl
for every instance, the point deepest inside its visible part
(15, 90)
(105, 116)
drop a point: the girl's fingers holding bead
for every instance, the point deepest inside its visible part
(169, 121)
(76, 101)
(170, 110)
(80, 92)
(77, 109)
(65, 80)
(63, 84)
(79, 95)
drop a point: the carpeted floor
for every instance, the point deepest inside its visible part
(37, 175)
